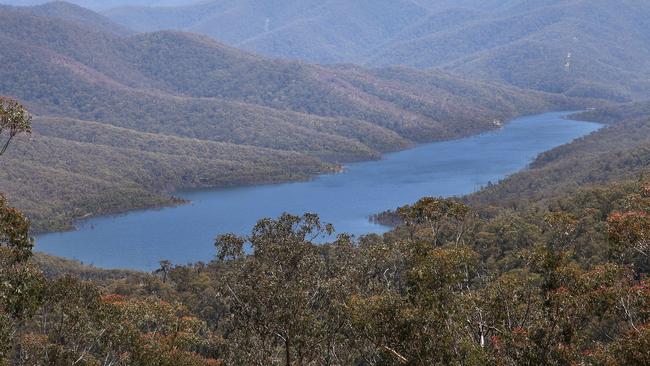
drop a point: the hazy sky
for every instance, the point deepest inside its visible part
(106, 4)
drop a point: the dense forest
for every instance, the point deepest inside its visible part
(133, 117)
(561, 281)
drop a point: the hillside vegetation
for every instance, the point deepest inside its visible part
(73, 13)
(580, 48)
(615, 113)
(562, 282)
(621, 151)
(550, 266)
(70, 169)
(131, 118)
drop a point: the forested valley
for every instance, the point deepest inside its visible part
(133, 117)
(506, 281)
(548, 266)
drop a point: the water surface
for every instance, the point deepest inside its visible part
(184, 234)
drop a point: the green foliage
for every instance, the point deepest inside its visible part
(15, 243)
(285, 296)
(14, 119)
(437, 215)
(617, 152)
(557, 283)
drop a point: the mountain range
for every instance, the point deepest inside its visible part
(131, 117)
(595, 48)
(106, 4)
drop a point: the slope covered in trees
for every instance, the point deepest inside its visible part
(563, 283)
(73, 13)
(555, 281)
(616, 113)
(549, 267)
(584, 48)
(619, 151)
(593, 48)
(70, 169)
(220, 116)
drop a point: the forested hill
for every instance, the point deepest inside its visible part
(621, 151)
(597, 48)
(550, 282)
(74, 13)
(616, 113)
(219, 116)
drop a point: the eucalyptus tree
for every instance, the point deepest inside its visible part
(21, 284)
(284, 302)
(438, 220)
(14, 120)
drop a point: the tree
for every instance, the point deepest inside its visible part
(630, 234)
(165, 268)
(14, 226)
(15, 242)
(21, 285)
(285, 300)
(629, 231)
(14, 120)
(446, 219)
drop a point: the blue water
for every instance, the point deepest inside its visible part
(184, 234)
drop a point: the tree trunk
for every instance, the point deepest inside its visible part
(287, 352)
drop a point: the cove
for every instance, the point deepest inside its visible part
(184, 234)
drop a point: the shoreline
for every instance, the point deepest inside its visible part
(170, 199)
(372, 187)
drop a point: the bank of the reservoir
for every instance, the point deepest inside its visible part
(185, 234)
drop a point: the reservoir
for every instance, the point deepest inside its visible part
(184, 234)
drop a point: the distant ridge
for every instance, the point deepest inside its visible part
(74, 13)
(596, 48)
(104, 4)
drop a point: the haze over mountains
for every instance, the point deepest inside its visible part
(595, 48)
(175, 110)
(74, 13)
(106, 4)
(579, 48)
